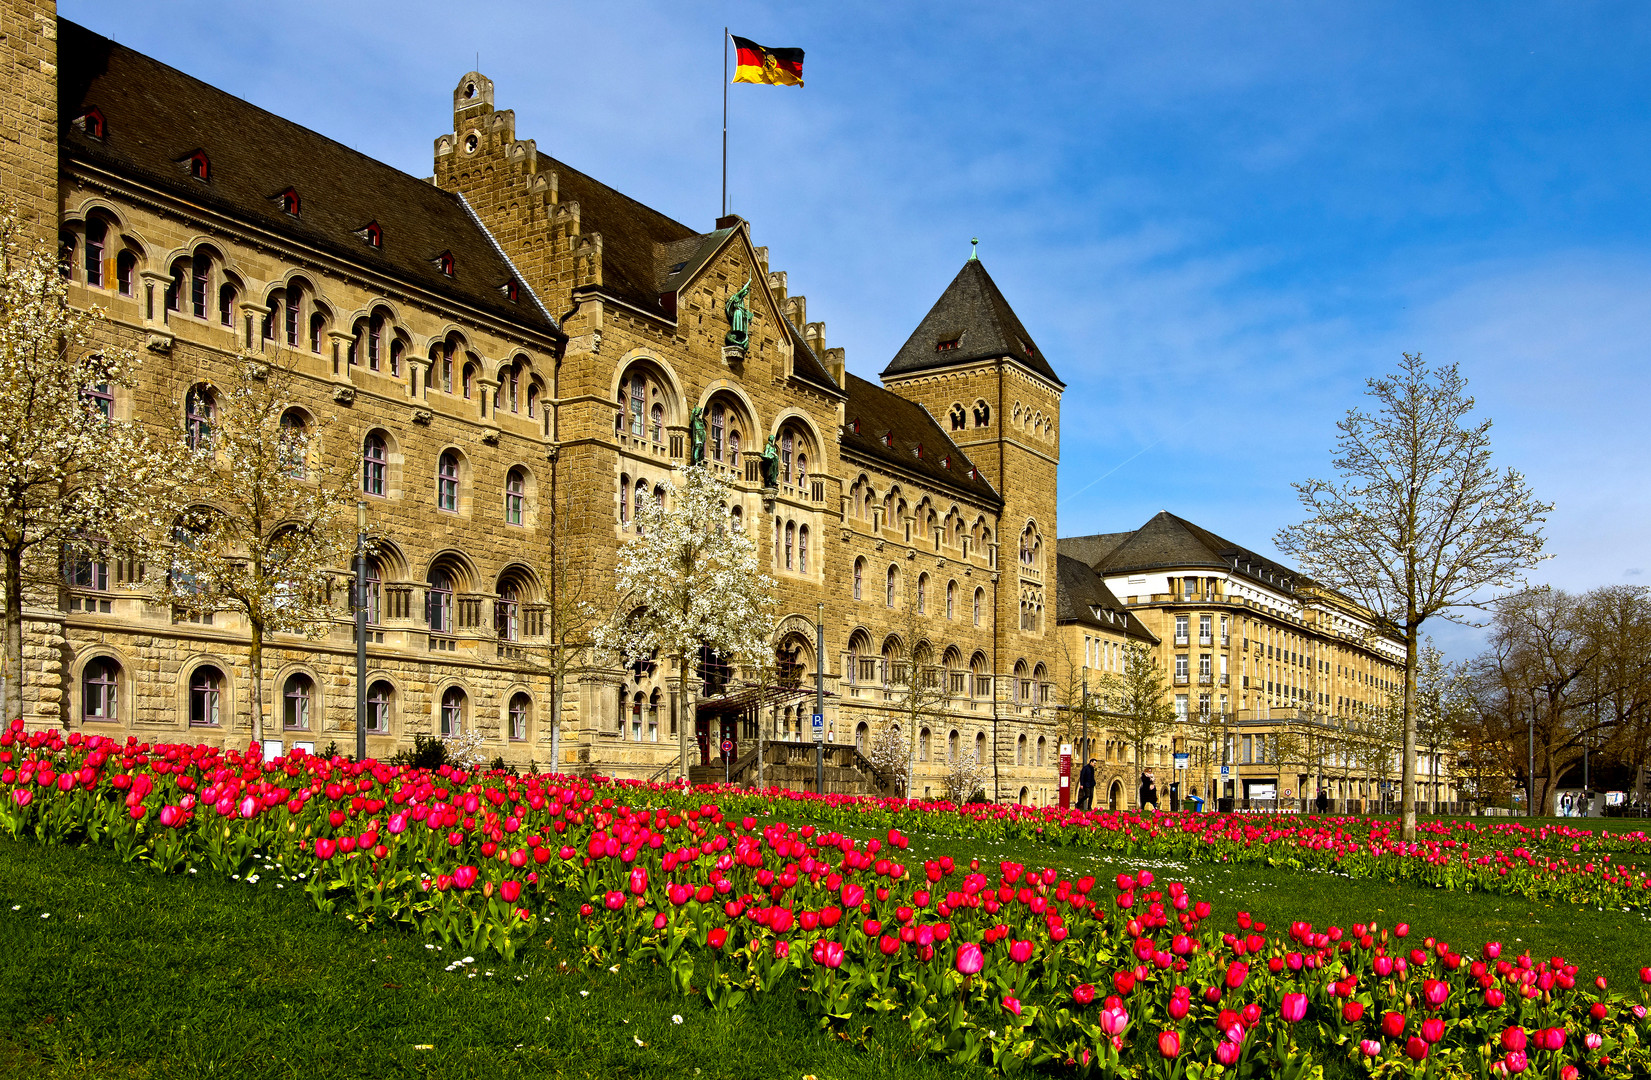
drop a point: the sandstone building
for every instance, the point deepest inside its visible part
(1275, 677)
(514, 352)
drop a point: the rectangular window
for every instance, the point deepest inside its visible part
(1181, 706)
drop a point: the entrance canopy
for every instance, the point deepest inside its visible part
(747, 698)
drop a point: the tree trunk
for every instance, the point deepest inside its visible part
(1407, 769)
(14, 637)
(256, 660)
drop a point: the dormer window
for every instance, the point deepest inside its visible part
(372, 234)
(917, 451)
(888, 439)
(854, 425)
(444, 263)
(198, 165)
(948, 346)
(946, 462)
(288, 201)
(512, 291)
(91, 122)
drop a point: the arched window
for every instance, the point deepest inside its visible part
(951, 599)
(734, 449)
(802, 470)
(375, 340)
(373, 579)
(1042, 746)
(438, 602)
(514, 381)
(126, 273)
(520, 704)
(532, 399)
(786, 449)
(515, 497)
(790, 539)
(922, 594)
(980, 601)
(802, 550)
(467, 379)
(982, 413)
(656, 418)
(624, 500)
(1020, 750)
(200, 277)
(859, 578)
(380, 695)
(641, 497)
(200, 409)
(893, 580)
(980, 746)
(397, 349)
(957, 418)
(97, 231)
(295, 702)
(923, 738)
(507, 613)
(100, 691)
(205, 693)
(953, 743)
(736, 517)
(447, 482)
(375, 462)
(719, 421)
(99, 398)
(452, 711)
(294, 444)
(639, 403)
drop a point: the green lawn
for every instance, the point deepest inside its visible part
(111, 970)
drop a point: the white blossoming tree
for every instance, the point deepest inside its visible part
(1418, 523)
(689, 581)
(273, 520)
(72, 474)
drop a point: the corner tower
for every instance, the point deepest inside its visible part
(974, 367)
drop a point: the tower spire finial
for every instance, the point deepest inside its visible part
(974, 253)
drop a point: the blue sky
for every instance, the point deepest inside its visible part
(1217, 219)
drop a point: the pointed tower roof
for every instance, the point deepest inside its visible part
(971, 321)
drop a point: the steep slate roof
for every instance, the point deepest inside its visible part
(1168, 542)
(156, 116)
(1090, 550)
(1079, 590)
(879, 412)
(973, 313)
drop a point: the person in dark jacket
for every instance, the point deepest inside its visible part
(1086, 785)
(1149, 791)
(1323, 802)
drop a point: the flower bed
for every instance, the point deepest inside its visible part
(1010, 963)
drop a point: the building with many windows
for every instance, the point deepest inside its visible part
(516, 353)
(1280, 686)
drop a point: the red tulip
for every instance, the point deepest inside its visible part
(1169, 1043)
(719, 936)
(1436, 991)
(1433, 1029)
(464, 876)
(969, 959)
(1415, 1049)
(325, 848)
(1237, 972)
(1020, 951)
(1393, 1024)
(1293, 1008)
(1513, 1038)
(1114, 1019)
(510, 890)
(1012, 1004)
(1352, 1012)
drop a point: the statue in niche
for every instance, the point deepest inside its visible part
(739, 318)
(696, 428)
(770, 465)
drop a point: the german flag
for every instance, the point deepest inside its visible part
(760, 64)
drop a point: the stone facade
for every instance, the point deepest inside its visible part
(549, 341)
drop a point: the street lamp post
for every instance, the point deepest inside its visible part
(1530, 760)
(819, 697)
(360, 631)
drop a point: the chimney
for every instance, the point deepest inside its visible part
(796, 309)
(776, 285)
(814, 334)
(836, 363)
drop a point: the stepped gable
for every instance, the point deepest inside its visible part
(156, 116)
(971, 321)
(806, 365)
(1079, 592)
(1090, 550)
(884, 415)
(1169, 542)
(636, 239)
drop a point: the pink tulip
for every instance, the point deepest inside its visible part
(614, 900)
(1436, 991)
(639, 881)
(325, 848)
(1237, 972)
(1012, 1004)
(1370, 1047)
(1114, 1019)
(970, 958)
(1515, 1061)
(1169, 1043)
(1513, 1038)
(1227, 1052)
(1020, 951)
(1293, 1008)
(22, 796)
(249, 807)
(1433, 1029)
(464, 876)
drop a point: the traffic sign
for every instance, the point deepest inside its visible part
(728, 746)
(1223, 772)
(819, 727)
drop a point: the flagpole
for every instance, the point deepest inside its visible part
(725, 121)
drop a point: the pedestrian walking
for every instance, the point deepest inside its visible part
(1149, 792)
(1086, 785)
(1323, 802)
